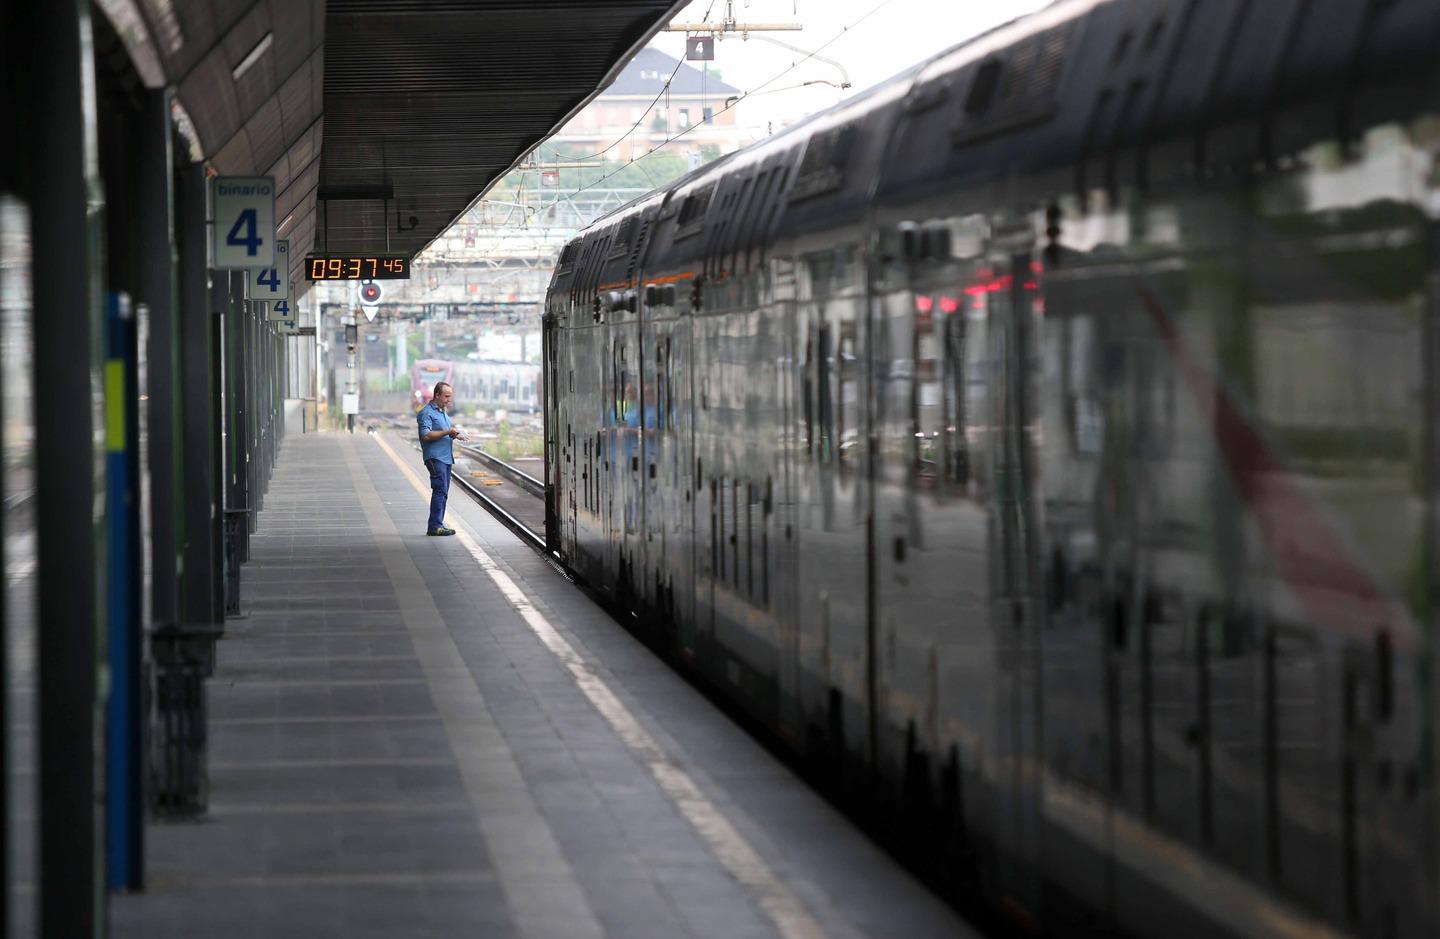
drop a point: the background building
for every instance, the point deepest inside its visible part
(695, 96)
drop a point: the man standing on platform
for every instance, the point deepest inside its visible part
(436, 433)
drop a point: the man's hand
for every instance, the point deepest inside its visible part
(453, 432)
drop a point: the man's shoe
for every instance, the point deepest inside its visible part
(441, 531)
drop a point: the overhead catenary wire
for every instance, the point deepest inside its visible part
(662, 93)
(732, 102)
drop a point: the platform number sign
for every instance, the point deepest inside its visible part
(271, 284)
(700, 48)
(279, 311)
(243, 236)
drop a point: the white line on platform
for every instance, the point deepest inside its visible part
(785, 909)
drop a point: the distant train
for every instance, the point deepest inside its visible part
(423, 376)
(1045, 443)
(510, 386)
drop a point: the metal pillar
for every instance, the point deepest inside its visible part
(277, 398)
(254, 454)
(237, 434)
(217, 460)
(197, 379)
(60, 143)
(156, 289)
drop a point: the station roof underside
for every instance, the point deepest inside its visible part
(371, 112)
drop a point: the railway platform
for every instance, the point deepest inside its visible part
(417, 736)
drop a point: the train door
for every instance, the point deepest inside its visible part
(832, 508)
(934, 583)
(679, 479)
(556, 446)
(630, 473)
(1016, 613)
(710, 482)
(615, 455)
(789, 438)
(657, 435)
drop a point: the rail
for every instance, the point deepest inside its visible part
(517, 476)
(531, 538)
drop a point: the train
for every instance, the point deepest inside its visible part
(423, 376)
(1043, 446)
(509, 386)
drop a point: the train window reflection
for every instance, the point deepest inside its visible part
(847, 413)
(825, 416)
(927, 405)
(957, 456)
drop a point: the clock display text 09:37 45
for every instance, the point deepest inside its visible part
(353, 267)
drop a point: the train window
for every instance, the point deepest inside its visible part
(662, 379)
(734, 531)
(622, 238)
(762, 234)
(745, 230)
(692, 212)
(769, 509)
(722, 220)
(614, 407)
(847, 410)
(1084, 418)
(957, 455)
(824, 417)
(822, 169)
(1020, 89)
(1122, 46)
(1152, 36)
(635, 253)
(626, 407)
(567, 257)
(717, 527)
(927, 392)
(982, 89)
(727, 247)
(750, 540)
(807, 393)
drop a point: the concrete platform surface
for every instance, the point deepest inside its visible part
(415, 736)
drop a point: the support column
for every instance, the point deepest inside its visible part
(156, 289)
(60, 143)
(217, 481)
(234, 328)
(254, 455)
(199, 380)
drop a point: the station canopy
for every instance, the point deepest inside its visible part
(381, 120)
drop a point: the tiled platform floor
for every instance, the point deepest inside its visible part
(400, 748)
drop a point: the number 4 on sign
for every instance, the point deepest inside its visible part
(281, 309)
(248, 238)
(269, 279)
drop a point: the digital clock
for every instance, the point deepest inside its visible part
(357, 267)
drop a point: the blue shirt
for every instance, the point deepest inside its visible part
(432, 418)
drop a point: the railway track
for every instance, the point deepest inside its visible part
(534, 539)
(513, 473)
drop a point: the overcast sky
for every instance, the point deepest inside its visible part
(870, 39)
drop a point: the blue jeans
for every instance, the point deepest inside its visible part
(439, 491)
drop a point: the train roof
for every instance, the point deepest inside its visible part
(1085, 93)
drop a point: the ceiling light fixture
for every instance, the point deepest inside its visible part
(253, 57)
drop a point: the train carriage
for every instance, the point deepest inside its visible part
(1044, 443)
